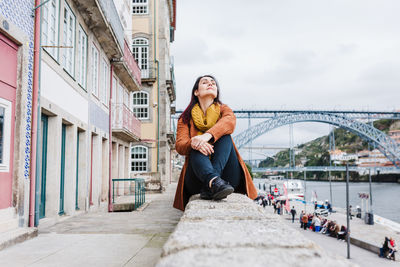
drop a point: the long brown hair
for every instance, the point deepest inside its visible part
(186, 115)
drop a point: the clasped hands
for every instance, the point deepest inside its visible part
(200, 143)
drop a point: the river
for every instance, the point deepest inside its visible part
(385, 196)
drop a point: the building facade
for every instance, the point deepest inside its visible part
(87, 75)
(153, 29)
(16, 83)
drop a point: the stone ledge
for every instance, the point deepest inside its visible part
(237, 232)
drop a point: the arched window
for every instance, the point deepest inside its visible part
(140, 7)
(139, 158)
(141, 104)
(140, 48)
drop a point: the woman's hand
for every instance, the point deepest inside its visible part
(200, 143)
(206, 149)
(200, 140)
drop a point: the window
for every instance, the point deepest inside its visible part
(140, 48)
(114, 90)
(126, 98)
(120, 99)
(95, 71)
(140, 101)
(82, 57)
(139, 7)
(69, 40)
(105, 76)
(50, 27)
(5, 134)
(139, 156)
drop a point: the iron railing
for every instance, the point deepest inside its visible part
(136, 187)
(131, 62)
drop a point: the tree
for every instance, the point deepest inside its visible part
(250, 170)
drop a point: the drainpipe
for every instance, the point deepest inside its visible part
(158, 88)
(35, 98)
(110, 206)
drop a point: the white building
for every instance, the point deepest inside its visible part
(84, 56)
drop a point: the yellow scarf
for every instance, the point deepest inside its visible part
(204, 122)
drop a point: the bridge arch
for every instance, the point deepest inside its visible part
(383, 142)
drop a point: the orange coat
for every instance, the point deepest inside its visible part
(225, 125)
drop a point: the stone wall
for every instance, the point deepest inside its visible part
(237, 232)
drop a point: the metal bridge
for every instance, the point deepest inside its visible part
(356, 122)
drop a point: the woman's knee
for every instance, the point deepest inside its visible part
(225, 138)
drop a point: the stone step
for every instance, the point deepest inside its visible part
(15, 236)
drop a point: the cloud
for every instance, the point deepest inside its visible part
(293, 54)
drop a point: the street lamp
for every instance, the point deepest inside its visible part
(347, 210)
(346, 161)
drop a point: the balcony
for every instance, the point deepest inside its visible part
(128, 70)
(148, 75)
(124, 123)
(171, 87)
(102, 18)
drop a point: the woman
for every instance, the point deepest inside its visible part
(213, 166)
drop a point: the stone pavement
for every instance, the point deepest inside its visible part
(101, 239)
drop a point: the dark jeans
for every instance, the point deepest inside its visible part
(223, 163)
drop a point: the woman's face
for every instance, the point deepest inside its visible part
(207, 88)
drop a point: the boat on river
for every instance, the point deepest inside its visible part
(275, 184)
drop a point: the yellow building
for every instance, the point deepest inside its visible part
(153, 28)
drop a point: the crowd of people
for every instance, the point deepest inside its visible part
(322, 225)
(319, 224)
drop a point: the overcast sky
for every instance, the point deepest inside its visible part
(282, 54)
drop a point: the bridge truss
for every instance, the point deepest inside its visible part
(325, 169)
(356, 122)
(383, 142)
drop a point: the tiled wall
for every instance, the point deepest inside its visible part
(20, 14)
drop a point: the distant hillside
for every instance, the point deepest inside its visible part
(316, 151)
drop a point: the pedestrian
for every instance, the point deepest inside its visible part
(384, 250)
(305, 221)
(301, 218)
(392, 249)
(278, 207)
(213, 166)
(317, 223)
(293, 212)
(274, 204)
(350, 214)
(329, 207)
(264, 202)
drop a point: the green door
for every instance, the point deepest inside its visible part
(42, 204)
(62, 177)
